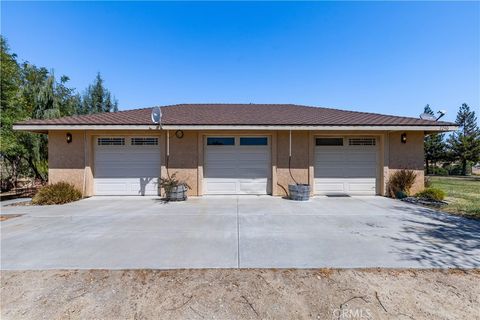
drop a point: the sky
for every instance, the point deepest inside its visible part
(384, 57)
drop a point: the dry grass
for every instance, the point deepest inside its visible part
(463, 194)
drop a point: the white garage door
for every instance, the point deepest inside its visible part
(126, 166)
(237, 165)
(346, 165)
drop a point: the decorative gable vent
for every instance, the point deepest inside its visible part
(361, 141)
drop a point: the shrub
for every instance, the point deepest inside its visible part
(58, 193)
(401, 181)
(427, 183)
(439, 171)
(172, 182)
(456, 169)
(431, 194)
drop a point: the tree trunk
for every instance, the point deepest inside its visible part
(15, 164)
(464, 167)
(35, 170)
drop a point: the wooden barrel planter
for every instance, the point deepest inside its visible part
(299, 192)
(178, 193)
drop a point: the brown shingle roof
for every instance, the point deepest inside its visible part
(240, 114)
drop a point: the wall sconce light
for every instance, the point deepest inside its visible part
(179, 134)
(403, 137)
(69, 137)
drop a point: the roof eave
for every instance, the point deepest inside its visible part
(44, 128)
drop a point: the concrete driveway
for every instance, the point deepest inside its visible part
(231, 232)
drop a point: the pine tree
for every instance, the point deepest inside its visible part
(97, 98)
(434, 146)
(465, 142)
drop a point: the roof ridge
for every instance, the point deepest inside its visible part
(245, 114)
(279, 104)
(304, 106)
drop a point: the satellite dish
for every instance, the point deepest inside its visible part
(427, 116)
(156, 115)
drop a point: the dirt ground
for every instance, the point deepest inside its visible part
(241, 294)
(4, 217)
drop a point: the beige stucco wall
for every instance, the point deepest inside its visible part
(299, 162)
(66, 161)
(409, 155)
(70, 162)
(183, 159)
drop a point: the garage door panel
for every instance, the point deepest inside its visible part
(252, 173)
(362, 157)
(221, 148)
(359, 171)
(345, 169)
(329, 157)
(108, 155)
(365, 186)
(253, 186)
(222, 172)
(357, 175)
(110, 184)
(126, 175)
(326, 185)
(261, 154)
(139, 164)
(219, 157)
(361, 164)
(330, 162)
(126, 157)
(147, 184)
(221, 186)
(253, 164)
(126, 169)
(238, 169)
(126, 186)
(329, 165)
(114, 166)
(217, 164)
(330, 172)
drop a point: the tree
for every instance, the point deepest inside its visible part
(97, 98)
(44, 98)
(434, 146)
(464, 144)
(31, 92)
(10, 100)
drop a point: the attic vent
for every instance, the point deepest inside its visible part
(144, 141)
(361, 141)
(111, 141)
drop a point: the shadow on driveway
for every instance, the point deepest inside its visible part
(437, 239)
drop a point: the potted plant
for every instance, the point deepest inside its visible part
(175, 190)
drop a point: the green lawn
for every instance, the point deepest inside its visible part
(463, 194)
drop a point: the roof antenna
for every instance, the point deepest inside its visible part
(442, 113)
